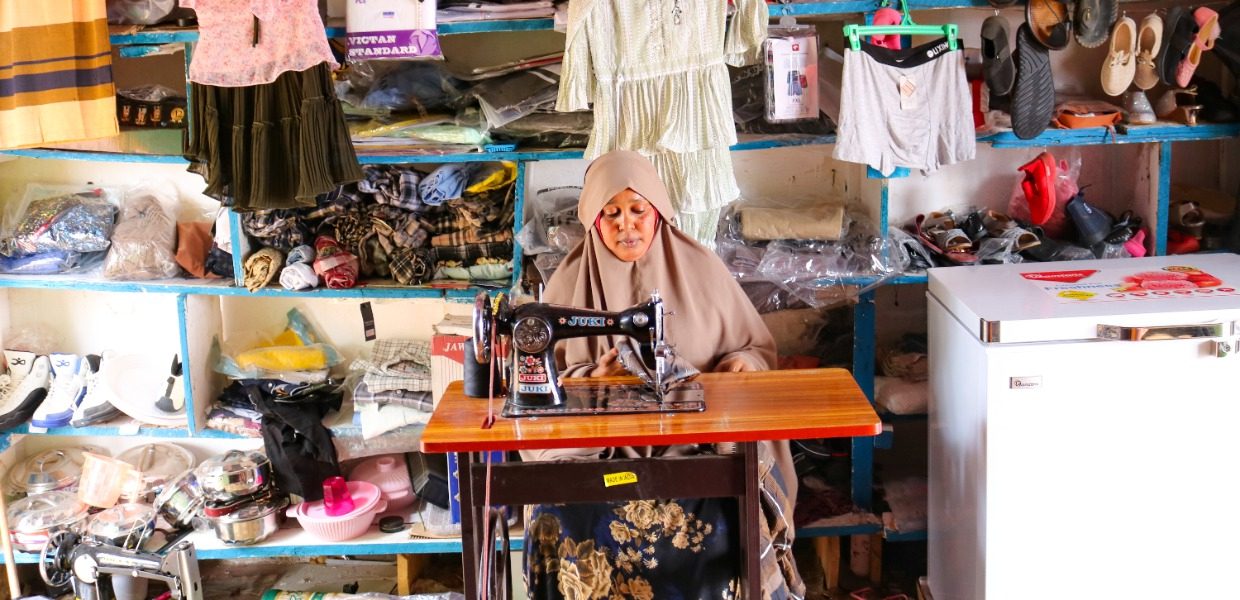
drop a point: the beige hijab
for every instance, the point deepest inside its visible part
(713, 318)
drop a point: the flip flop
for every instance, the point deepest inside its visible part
(1051, 249)
(1033, 95)
(1049, 22)
(956, 258)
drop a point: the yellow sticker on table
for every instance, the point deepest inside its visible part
(621, 478)
(1076, 295)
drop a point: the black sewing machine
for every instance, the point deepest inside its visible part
(523, 340)
(90, 565)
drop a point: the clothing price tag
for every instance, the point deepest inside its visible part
(368, 321)
(622, 478)
(908, 93)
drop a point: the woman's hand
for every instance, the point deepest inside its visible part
(733, 364)
(609, 365)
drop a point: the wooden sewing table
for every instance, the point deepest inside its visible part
(740, 407)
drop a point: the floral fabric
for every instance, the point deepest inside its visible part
(251, 42)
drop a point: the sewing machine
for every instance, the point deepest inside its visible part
(89, 565)
(523, 339)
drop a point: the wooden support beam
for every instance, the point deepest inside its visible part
(828, 550)
(408, 568)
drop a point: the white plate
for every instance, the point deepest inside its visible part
(133, 382)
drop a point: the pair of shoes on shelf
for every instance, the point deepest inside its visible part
(1022, 77)
(51, 391)
(1132, 55)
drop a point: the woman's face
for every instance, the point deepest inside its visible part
(627, 224)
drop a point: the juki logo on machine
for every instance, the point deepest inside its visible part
(578, 321)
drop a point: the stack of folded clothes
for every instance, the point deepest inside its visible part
(394, 387)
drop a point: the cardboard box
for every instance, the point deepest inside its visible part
(447, 363)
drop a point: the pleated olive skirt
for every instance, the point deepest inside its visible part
(276, 145)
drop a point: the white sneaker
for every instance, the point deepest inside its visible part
(66, 392)
(95, 407)
(29, 376)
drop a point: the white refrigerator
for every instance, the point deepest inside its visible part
(1085, 429)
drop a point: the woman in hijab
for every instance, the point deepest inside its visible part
(648, 549)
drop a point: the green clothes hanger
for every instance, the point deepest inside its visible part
(906, 27)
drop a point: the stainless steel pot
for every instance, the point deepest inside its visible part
(251, 523)
(34, 519)
(124, 525)
(235, 474)
(180, 500)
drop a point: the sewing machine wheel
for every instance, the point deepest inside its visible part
(55, 564)
(483, 323)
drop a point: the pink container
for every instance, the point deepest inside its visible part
(390, 474)
(368, 502)
(336, 498)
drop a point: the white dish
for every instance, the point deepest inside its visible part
(133, 382)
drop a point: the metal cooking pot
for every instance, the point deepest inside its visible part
(251, 523)
(34, 519)
(160, 463)
(55, 469)
(180, 500)
(235, 474)
(124, 525)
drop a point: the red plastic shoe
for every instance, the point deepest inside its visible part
(887, 16)
(1039, 187)
(1179, 242)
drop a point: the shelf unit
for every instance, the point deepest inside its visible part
(292, 542)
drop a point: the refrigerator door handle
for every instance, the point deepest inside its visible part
(1165, 332)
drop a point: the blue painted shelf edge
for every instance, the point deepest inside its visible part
(1141, 134)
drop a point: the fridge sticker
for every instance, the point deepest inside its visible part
(1117, 285)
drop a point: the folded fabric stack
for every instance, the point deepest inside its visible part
(451, 11)
(399, 223)
(394, 387)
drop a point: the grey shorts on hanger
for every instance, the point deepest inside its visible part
(905, 108)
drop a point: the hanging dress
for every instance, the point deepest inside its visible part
(266, 128)
(656, 73)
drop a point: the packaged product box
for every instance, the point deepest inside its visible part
(392, 29)
(791, 58)
(447, 355)
(454, 482)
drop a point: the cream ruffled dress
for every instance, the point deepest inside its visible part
(656, 73)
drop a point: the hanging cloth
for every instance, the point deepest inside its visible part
(55, 72)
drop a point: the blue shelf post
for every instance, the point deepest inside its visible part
(863, 371)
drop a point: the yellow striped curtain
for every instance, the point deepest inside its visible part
(55, 72)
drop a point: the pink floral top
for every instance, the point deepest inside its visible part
(230, 53)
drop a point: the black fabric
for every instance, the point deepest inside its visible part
(910, 57)
(297, 444)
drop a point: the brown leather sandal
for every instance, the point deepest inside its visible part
(1050, 23)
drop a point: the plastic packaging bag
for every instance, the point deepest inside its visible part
(144, 241)
(139, 12)
(551, 223)
(817, 273)
(791, 61)
(296, 350)
(510, 97)
(1068, 171)
(393, 30)
(61, 219)
(380, 88)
